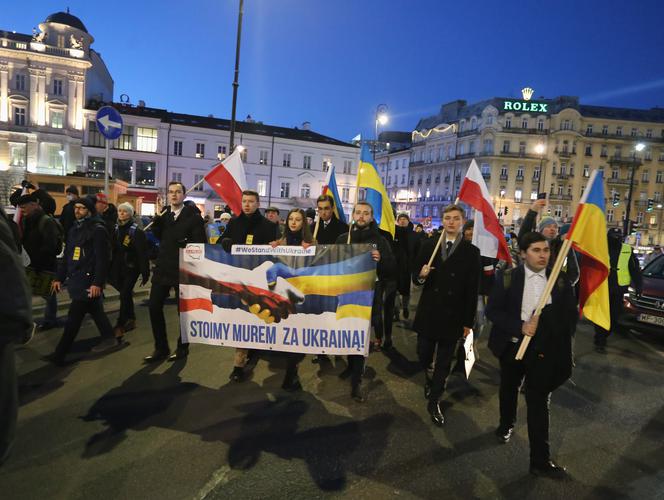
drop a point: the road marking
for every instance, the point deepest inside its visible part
(220, 477)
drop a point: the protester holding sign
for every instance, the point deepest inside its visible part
(548, 361)
(446, 311)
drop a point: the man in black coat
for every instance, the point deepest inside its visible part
(67, 218)
(405, 245)
(248, 228)
(365, 230)
(44, 199)
(548, 361)
(41, 239)
(329, 227)
(84, 268)
(16, 321)
(180, 223)
(446, 311)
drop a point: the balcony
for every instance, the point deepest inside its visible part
(562, 176)
(486, 175)
(465, 156)
(527, 131)
(519, 178)
(503, 177)
(565, 154)
(620, 182)
(624, 161)
(468, 132)
(560, 197)
(508, 154)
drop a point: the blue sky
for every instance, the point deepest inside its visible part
(331, 62)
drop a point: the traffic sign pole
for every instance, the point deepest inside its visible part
(106, 169)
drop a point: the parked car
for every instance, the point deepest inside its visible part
(645, 312)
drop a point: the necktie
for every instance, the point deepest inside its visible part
(449, 247)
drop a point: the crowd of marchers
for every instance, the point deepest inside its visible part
(92, 245)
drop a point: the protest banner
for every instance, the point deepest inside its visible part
(315, 300)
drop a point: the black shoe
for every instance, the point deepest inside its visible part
(504, 434)
(291, 383)
(600, 349)
(156, 356)
(237, 374)
(346, 373)
(405, 314)
(549, 469)
(357, 393)
(179, 354)
(436, 414)
(387, 345)
(55, 359)
(427, 389)
(45, 326)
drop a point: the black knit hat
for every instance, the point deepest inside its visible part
(72, 190)
(27, 198)
(87, 202)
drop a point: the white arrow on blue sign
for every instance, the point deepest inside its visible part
(109, 122)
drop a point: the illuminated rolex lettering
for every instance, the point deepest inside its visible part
(535, 107)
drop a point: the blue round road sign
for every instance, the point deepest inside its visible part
(109, 122)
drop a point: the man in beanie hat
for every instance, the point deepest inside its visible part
(67, 215)
(548, 227)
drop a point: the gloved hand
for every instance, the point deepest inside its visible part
(226, 244)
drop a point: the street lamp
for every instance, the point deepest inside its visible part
(637, 148)
(539, 149)
(382, 119)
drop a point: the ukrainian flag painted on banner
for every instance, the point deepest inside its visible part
(588, 236)
(331, 188)
(369, 180)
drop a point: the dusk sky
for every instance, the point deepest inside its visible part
(332, 62)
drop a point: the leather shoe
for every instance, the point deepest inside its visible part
(178, 355)
(236, 374)
(549, 469)
(357, 393)
(427, 389)
(504, 434)
(436, 414)
(155, 357)
(291, 384)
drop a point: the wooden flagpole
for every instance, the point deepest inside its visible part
(317, 224)
(553, 277)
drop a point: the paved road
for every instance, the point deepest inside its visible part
(110, 427)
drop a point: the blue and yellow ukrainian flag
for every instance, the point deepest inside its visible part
(369, 180)
(588, 236)
(331, 188)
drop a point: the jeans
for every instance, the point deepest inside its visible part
(77, 311)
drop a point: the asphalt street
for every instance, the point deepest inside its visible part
(108, 426)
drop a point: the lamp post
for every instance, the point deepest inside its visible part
(638, 148)
(539, 149)
(382, 119)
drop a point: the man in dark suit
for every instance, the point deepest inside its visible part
(329, 227)
(446, 310)
(548, 360)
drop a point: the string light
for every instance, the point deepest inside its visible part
(426, 134)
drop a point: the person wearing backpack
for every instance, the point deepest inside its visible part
(42, 239)
(84, 267)
(130, 259)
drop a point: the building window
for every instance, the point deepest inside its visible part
(306, 162)
(503, 172)
(197, 179)
(200, 150)
(285, 190)
(536, 173)
(262, 157)
(403, 179)
(605, 130)
(519, 172)
(471, 147)
(61, 41)
(522, 148)
(658, 177)
(462, 149)
(614, 173)
(618, 152)
(177, 148)
(94, 136)
(487, 146)
(633, 132)
(57, 119)
(609, 215)
(287, 160)
(558, 211)
(566, 125)
(221, 152)
(618, 130)
(506, 146)
(533, 195)
(639, 218)
(57, 87)
(19, 116)
(326, 164)
(586, 170)
(647, 154)
(649, 133)
(17, 153)
(508, 122)
(604, 151)
(126, 140)
(348, 166)
(589, 129)
(261, 187)
(305, 191)
(589, 150)
(176, 176)
(96, 166)
(146, 139)
(145, 173)
(517, 196)
(524, 123)
(20, 82)
(122, 169)
(345, 194)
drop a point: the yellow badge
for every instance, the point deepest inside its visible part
(250, 239)
(126, 240)
(77, 253)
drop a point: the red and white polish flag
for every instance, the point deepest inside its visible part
(487, 233)
(228, 180)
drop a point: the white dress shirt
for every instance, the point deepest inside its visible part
(176, 213)
(533, 287)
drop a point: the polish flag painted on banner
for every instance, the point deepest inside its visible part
(194, 297)
(487, 234)
(229, 180)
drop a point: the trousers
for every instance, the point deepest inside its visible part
(444, 352)
(77, 311)
(158, 296)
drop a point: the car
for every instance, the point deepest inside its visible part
(645, 312)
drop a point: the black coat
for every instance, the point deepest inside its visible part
(86, 257)
(40, 240)
(130, 254)
(67, 217)
(549, 357)
(405, 244)
(262, 230)
(15, 296)
(449, 299)
(174, 234)
(44, 199)
(328, 235)
(370, 234)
